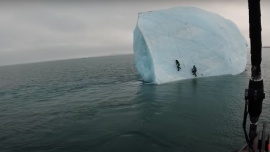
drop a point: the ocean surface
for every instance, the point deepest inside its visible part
(101, 105)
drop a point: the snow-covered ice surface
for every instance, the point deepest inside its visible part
(191, 35)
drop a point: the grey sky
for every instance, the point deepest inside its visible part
(32, 31)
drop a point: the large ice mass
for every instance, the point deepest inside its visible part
(193, 37)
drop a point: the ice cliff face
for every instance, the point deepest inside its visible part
(193, 37)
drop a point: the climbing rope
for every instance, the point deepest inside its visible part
(178, 49)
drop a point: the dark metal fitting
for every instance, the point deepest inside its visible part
(256, 95)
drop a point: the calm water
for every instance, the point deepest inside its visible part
(100, 105)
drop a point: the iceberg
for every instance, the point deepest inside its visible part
(193, 37)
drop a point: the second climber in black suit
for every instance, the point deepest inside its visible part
(177, 65)
(194, 70)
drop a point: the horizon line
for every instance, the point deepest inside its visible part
(44, 61)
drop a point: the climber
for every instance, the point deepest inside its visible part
(194, 70)
(177, 65)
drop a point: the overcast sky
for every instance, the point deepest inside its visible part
(33, 31)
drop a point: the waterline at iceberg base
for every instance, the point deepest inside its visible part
(193, 37)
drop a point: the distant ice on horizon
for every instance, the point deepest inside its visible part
(191, 35)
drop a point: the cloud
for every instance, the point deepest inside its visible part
(47, 30)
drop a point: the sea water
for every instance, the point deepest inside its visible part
(101, 105)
